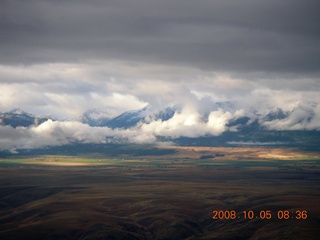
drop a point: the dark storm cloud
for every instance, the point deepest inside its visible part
(234, 36)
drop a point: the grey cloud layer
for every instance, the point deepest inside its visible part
(61, 58)
(235, 36)
(66, 90)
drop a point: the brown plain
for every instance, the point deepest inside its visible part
(163, 197)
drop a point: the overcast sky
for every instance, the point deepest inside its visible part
(61, 58)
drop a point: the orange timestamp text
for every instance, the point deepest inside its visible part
(262, 214)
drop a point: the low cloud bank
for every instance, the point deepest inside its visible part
(189, 124)
(50, 133)
(185, 123)
(305, 116)
(57, 133)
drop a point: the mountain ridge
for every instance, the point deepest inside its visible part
(267, 119)
(19, 118)
(296, 127)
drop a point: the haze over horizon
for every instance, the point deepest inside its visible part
(61, 58)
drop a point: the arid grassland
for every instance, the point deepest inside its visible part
(170, 196)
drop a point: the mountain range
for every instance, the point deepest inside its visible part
(128, 119)
(298, 126)
(257, 118)
(18, 118)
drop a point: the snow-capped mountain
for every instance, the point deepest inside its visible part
(165, 114)
(128, 119)
(303, 116)
(262, 118)
(95, 117)
(18, 118)
(296, 125)
(276, 113)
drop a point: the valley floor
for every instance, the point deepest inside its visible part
(163, 197)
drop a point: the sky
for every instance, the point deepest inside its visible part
(61, 58)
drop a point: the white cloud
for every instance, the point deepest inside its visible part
(51, 133)
(117, 102)
(217, 121)
(66, 91)
(302, 117)
(177, 52)
(188, 122)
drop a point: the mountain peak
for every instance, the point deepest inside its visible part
(19, 118)
(276, 114)
(18, 111)
(95, 117)
(96, 113)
